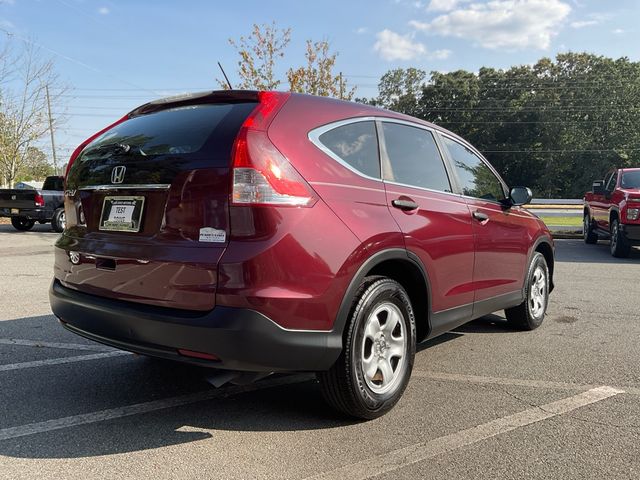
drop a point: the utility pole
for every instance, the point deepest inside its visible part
(341, 87)
(53, 143)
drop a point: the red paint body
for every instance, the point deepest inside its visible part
(291, 264)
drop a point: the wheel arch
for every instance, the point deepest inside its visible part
(613, 213)
(403, 267)
(544, 246)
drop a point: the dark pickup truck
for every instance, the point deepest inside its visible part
(612, 210)
(25, 207)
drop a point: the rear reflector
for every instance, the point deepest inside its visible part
(261, 174)
(201, 355)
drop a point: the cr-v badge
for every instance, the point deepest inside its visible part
(117, 175)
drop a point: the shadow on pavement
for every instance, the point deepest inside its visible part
(40, 394)
(35, 395)
(579, 252)
(37, 228)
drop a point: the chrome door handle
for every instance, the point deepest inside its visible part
(481, 217)
(405, 204)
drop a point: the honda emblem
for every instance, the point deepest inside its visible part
(117, 175)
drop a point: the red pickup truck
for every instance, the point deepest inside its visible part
(612, 210)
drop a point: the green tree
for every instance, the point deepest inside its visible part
(554, 126)
(35, 165)
(317, 77)
(261, 51)
(401, 89)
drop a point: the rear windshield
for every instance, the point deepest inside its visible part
(53, 183)
(630, 179)
(175, 131)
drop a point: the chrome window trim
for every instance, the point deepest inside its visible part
(505, 187)
(131, 186)
(314, 137)
(389, 182)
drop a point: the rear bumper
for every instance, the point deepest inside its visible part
(39, 214)
(243, 339)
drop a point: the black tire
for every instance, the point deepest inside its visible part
(590, 236)
(22, 223)
(58, 221)
(530, 313)
(620, 247)
(346, 386)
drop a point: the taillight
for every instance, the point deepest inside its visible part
(76, 153)
(39, 200)
(261, 174)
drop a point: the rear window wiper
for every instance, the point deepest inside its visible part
(115, 148)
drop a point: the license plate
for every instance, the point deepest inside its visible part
(121, 214)
(15, 211)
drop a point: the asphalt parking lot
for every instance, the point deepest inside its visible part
(484, 402)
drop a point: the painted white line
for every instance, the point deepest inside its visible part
(516, 382)
(403, 457)
(60, 361)
(147, 407)
(65, 346)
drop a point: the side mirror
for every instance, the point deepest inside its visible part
(598, 187)
(520, 195)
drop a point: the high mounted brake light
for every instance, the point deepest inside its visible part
(261, 174)
(76, 153)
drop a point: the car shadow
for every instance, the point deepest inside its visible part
(576, 251)
(37, 228)
(278, 403)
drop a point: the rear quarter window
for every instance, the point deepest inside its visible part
(355, 144)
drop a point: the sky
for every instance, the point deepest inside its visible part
(116, 55)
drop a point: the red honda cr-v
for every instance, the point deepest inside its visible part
(263, 231)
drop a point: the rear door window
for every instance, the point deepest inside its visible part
(414, 157)
(355, 144)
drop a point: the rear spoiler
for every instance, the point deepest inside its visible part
(214, 96)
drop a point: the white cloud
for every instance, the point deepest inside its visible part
(618, 31)
(508, 24)
(583, 23)
(593, 19)
(104, 11)
(444, 5)
(393, 46)
(361, 30)
(440, 54)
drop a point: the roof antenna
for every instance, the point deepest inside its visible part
(225, 76)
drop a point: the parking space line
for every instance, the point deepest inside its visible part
(60, 361)
(65, 346)
(516, 382)
(146, 407)
(404, 457)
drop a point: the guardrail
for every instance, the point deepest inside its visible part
(556, 201)
(563, 216)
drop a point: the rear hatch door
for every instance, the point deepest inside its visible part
(147, 205)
